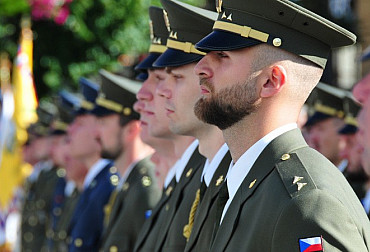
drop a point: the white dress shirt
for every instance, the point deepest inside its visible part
(211, 167)
(366, 202)
(185, 159)
(241, 168)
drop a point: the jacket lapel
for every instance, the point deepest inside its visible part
(263, 166)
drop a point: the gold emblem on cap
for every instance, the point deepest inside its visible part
(252, 183)
(296, 179)
(151, 29)
(113, 249)
(223, 15)
(230, 17)
(146, 181)
(219, 6)
(173, 35)
(78, 242)
(127, 111)
(277, 42)
(301, 185)
(169, 190)
(285, 157)
(189, 172)
(166, 20)
(219, 180)
(157, 41)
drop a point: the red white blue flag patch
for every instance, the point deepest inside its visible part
(312, 244)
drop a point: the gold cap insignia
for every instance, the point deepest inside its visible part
(127, 111)
(151, 29)
(252, 183)
(230, 17)
(219, 180)
(223, 15)
(301, 185)
(189, 172)
(219, 6)
(173, 35)
(296, 179)
(166, 20)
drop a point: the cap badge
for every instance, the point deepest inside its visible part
(230, 18)
(173, 35)
(223, 15)
(276, 42)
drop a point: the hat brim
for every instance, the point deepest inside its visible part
(142, 76)
(348, 130)
(219, 40)
(100, 111)
(147, 63)
(173, 58)
(316, 118)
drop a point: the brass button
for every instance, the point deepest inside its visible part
(277, 42)
(285, 157)
(57, 211)
(114, 180)
(61, 173)
(125, 186)
(40, 204)
(78, 242)
(62, 235)
(113, 249)
(32, 220)
(113, 169)
(28, 237)
(146, 181)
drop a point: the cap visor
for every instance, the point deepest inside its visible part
(142, 76)
(348, 130)
(224, 41)
(172, 58)
(100, 111)
(315, 118)
(147, 63)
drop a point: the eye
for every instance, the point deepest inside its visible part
(177, 76)
(221, 54)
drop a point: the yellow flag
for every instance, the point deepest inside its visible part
(18, 112)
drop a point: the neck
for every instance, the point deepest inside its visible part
(89, 161)
(210, 141)
(181, 143)
(135, 151)
(245, 133)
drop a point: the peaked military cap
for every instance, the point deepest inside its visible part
(328, 103)
(351, 109)
(117, 96)
(188, 24)
(366, 55)
(45, 115)
(158, 35)
(89, 91)
(279, 23)
(67, 105)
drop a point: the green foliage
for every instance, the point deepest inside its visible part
(95, 34)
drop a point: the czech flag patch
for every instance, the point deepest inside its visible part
(312, 244)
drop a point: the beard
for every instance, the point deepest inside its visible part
(111, 154)
(229, 106)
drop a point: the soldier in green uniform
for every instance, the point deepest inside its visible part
(181, 89)
(39, 186)
(153, 115)
(264, 58)
(119, 133)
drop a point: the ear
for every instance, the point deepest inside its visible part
(274, 83)
(131, 130)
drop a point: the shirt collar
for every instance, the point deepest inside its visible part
(94, 171)
(241, 168)
(171, 174)
(185, 159)
(211, 167)
(366, 202)
(126, 174)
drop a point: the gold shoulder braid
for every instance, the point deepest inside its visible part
(188, 228)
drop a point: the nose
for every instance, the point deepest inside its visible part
(163, 89)
(202, 68)
(144, 93)
(139, 106)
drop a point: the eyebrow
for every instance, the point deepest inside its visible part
(169, 70)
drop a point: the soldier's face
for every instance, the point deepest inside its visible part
(152, 114)
(324, 138)
(58, 150)
(82, 137)
(182, 91)
(228, 87)
(352, 151)
(361, 91)
(364, 135)
(110, 136)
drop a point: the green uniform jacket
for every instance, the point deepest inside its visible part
(36, 211)
(154, 232)
(139, 194)
(285, 198)
(60, 232)
(171, 237)
(201, 235)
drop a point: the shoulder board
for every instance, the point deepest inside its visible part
(294, 175)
